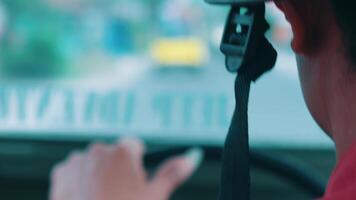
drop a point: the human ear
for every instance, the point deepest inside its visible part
(293, 13)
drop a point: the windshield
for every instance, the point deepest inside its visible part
(79, 68)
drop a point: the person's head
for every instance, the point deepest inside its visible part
(325, 46)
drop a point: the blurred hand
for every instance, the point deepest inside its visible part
(116, 172)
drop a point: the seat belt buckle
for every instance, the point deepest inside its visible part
(243, 29)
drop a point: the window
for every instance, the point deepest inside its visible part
(79, 68)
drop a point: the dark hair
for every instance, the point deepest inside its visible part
(345, 12)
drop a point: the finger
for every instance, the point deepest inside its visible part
(97, 158)
(174, 172)
(97, 149)
(59, 169)
(66, 176)
(133, 149)
(76, 158)
(55, 180)
(134, 145)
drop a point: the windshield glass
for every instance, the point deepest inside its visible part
(83, 68)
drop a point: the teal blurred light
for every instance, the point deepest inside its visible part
(30, 45)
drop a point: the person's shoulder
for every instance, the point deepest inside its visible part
(342, 183)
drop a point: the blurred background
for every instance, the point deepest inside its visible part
(77, 71)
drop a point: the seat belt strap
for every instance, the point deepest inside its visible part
(249, 54)
(235, 174)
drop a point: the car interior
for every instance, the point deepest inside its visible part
(75, 72)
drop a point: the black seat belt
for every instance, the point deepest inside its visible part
(249, 54)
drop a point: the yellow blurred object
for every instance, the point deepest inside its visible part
(179, 52)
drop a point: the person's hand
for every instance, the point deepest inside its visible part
(116, 172)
